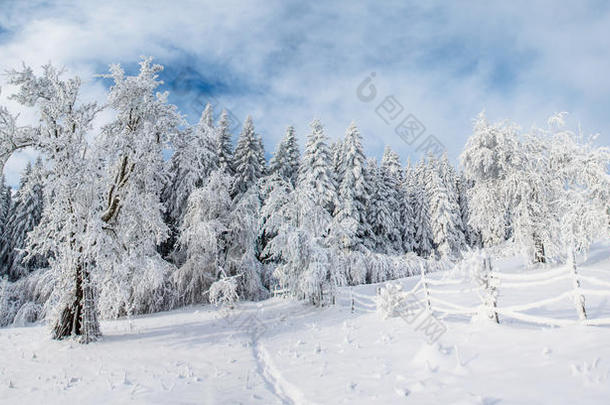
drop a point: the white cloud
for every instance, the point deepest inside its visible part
(286, 63)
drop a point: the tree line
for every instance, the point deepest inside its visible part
(105, 225)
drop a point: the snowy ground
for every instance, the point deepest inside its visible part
(278, 351)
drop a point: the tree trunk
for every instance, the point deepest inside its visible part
(78, 318)
(491, 292)
(539, 255)
(579, 299)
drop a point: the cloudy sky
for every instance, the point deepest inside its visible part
(288, 62)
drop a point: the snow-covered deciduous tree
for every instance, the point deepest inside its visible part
(202, 236)
(304, 262)
(581, 187)
(136, 278)
(70, 227)
(224, 292)
(488, 159)
(241, 256)
(248, 160)
(285, 160)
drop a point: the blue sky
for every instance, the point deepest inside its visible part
(288, 62)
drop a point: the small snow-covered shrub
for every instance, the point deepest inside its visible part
(389, 299)
(28, 313)
(224, 292)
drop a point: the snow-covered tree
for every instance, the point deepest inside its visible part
(376, 209)
(424, 242)
(24, 216)
(241, 256)
(202, 236)
(304, 261)
(581, 185)
(285, 160)
(193, 160)
(315, 171)
(5, 208)
(224, 148)
(488, 159)
(391, 176)
(407, 214)
(445, 218)
(350, 213)
(135, 276)
(471, 235)
(336, 154)
(71, 227)
(248, 160)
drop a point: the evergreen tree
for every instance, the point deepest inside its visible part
(424, 242)
(285, 160)
(336, 151)
(248, 160)
(224, 148)
(350, 213)
(471, 236)
(377, 210)
(315, 171)
(5, 204)
(391, 177)
(407, 214)
(25, 215)
(193, 160)
(445, 219)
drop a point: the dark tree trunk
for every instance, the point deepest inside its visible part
(539, 255)
(78, 318)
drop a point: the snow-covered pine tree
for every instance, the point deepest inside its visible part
(4, 216)
(5, 204)
(135, 277)
(336, 153)
(376, 209)
(424, 242)
(248, 160)
(445, 216)
(315, 171)
(285, 160)
(350, 220)
(391, 176)
(202, 237)
(25, 215)
(471, 235)
(407, 214)
(70, 228)
(224, 147)
(193, 160)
